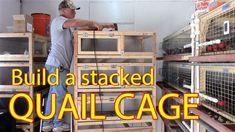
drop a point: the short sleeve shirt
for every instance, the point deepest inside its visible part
(61, 44)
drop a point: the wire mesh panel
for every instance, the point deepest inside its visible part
(184, 76)
(217, 87)
(174, 44)
(217, 30)
(177, 74)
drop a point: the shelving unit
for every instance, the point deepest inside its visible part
(214, 70)
(212, 64)
(132, 51)
(30, 47)
(177, 70)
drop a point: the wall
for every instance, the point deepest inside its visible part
(6, 14)
(51, 7)
(161, 16)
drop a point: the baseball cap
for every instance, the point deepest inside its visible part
(68, 4)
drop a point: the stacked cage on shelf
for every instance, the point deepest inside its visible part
(216, 80)
(178, 43)
(24, 51)
(176, 70)
(217, 90)
(178, 75)
(217, 31)
(108, 53)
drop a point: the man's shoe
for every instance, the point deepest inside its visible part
(47, 128)
(64, 127)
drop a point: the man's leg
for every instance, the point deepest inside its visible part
(48, 124)
(60, 92)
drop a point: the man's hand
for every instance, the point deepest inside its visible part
(112, 26)
(100, 27)
(96, 26)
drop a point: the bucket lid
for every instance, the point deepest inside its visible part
(41, 14)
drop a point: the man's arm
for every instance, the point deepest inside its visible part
(81, 23)
(86, 25)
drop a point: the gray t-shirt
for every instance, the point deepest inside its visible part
(61, 44)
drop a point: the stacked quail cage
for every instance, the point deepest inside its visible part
(176, 43)
(217, 89)
(217, 31)
(106, 52)
(177, 75)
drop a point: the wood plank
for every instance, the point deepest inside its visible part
(14, 57)
(139, 53)
(11, 87)
(113, 64)
(15, 35)
(14, 64)
(113, 87)
(107, 122)
(116, 129)
(6, 95)
(113, 120)
(106, 68)
(115, 90)
(176, 58)
(97, 36)
(98, 52)
(214, 58)
(108, 99)
(116, 56)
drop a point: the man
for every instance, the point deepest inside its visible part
(61, 55)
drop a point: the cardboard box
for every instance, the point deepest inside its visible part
(22, 23)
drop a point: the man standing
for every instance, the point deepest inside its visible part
(61, 55)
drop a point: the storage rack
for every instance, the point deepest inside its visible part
(108, 52)
(30, 54)
(214, 59)
(177, 71)
(212, 64)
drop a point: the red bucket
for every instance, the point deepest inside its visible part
(41, 23)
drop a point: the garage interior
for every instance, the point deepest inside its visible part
(189, 44)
